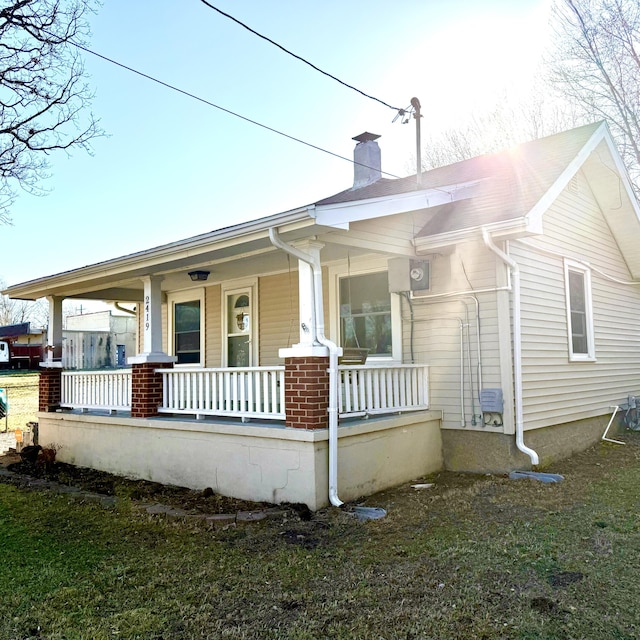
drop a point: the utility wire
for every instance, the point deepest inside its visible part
(313, 66)
(215, 106)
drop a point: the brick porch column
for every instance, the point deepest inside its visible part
(49, 389)
(146, 388)
(306, 384)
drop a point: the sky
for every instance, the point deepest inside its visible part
(170, 167)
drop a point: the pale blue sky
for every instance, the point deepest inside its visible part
(171, 167)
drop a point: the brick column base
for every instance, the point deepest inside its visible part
(146, 388)
(49, 389)
(306, 384)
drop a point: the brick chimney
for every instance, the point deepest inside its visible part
(366, 155)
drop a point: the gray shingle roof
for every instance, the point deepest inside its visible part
(513, 181)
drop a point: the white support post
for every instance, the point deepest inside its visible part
(307, 300)
(152, 324)
(53, 356)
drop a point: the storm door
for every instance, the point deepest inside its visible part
(239, 328)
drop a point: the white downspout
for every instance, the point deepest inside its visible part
(334, 350)
(517, 344)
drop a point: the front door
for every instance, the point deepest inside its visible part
(239, 328)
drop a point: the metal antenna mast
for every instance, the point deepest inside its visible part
(415, 103)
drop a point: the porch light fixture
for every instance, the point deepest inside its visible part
(198, 275)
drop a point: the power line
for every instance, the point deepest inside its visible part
(313, 66)
(215, 106)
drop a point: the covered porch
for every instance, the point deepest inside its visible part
(207, 400)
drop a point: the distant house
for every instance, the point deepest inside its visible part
(484, 320)
(99, 340)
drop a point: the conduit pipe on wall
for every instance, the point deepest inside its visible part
(438, 299)
(517, 344)
(333, 348)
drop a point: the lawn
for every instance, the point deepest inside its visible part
(471, 557)
(22, 393)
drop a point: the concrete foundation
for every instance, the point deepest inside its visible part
(484, 452)
(251, 461)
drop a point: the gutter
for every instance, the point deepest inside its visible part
(517, 343)
(333, 357)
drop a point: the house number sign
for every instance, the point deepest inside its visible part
(147, 319)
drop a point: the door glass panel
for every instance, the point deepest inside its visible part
(239, 328)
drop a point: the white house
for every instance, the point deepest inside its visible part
(497, 303)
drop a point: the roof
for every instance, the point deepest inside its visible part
(521, 173)
(506, 192)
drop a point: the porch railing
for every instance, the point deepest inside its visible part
(372, 390)
(252, 392)
(109, 390)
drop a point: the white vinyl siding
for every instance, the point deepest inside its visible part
(555, 388)
(279, 315)
(213, 326)
(437, 341)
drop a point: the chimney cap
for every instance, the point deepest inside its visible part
(366, 137)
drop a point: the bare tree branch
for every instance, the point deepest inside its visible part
(596, 66)
(43, 95)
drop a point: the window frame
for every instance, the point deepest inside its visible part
(576, 267)
(247, 286)
(359, 268)
(189, 295)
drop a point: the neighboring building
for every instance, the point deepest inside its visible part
(99, 340)
(23, 346)
(497, 303)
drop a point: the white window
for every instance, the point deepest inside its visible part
(186, 327)
(364, 314)
(577, 280)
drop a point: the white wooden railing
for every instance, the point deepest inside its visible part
(371, 390)
(252, 392)
(109, 390)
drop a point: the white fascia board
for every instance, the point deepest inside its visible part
(509, 228)
(534, 217)
(340, 214)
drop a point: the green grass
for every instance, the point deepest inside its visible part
(471, 558)
(22, 390)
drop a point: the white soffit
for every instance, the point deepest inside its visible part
(339, 215)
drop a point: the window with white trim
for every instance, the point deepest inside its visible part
(364, 314)
(577, 279)
(186, 326)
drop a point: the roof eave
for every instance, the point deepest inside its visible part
(153, 258)
(505, 230)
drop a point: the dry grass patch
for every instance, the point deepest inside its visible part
(22, 391)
